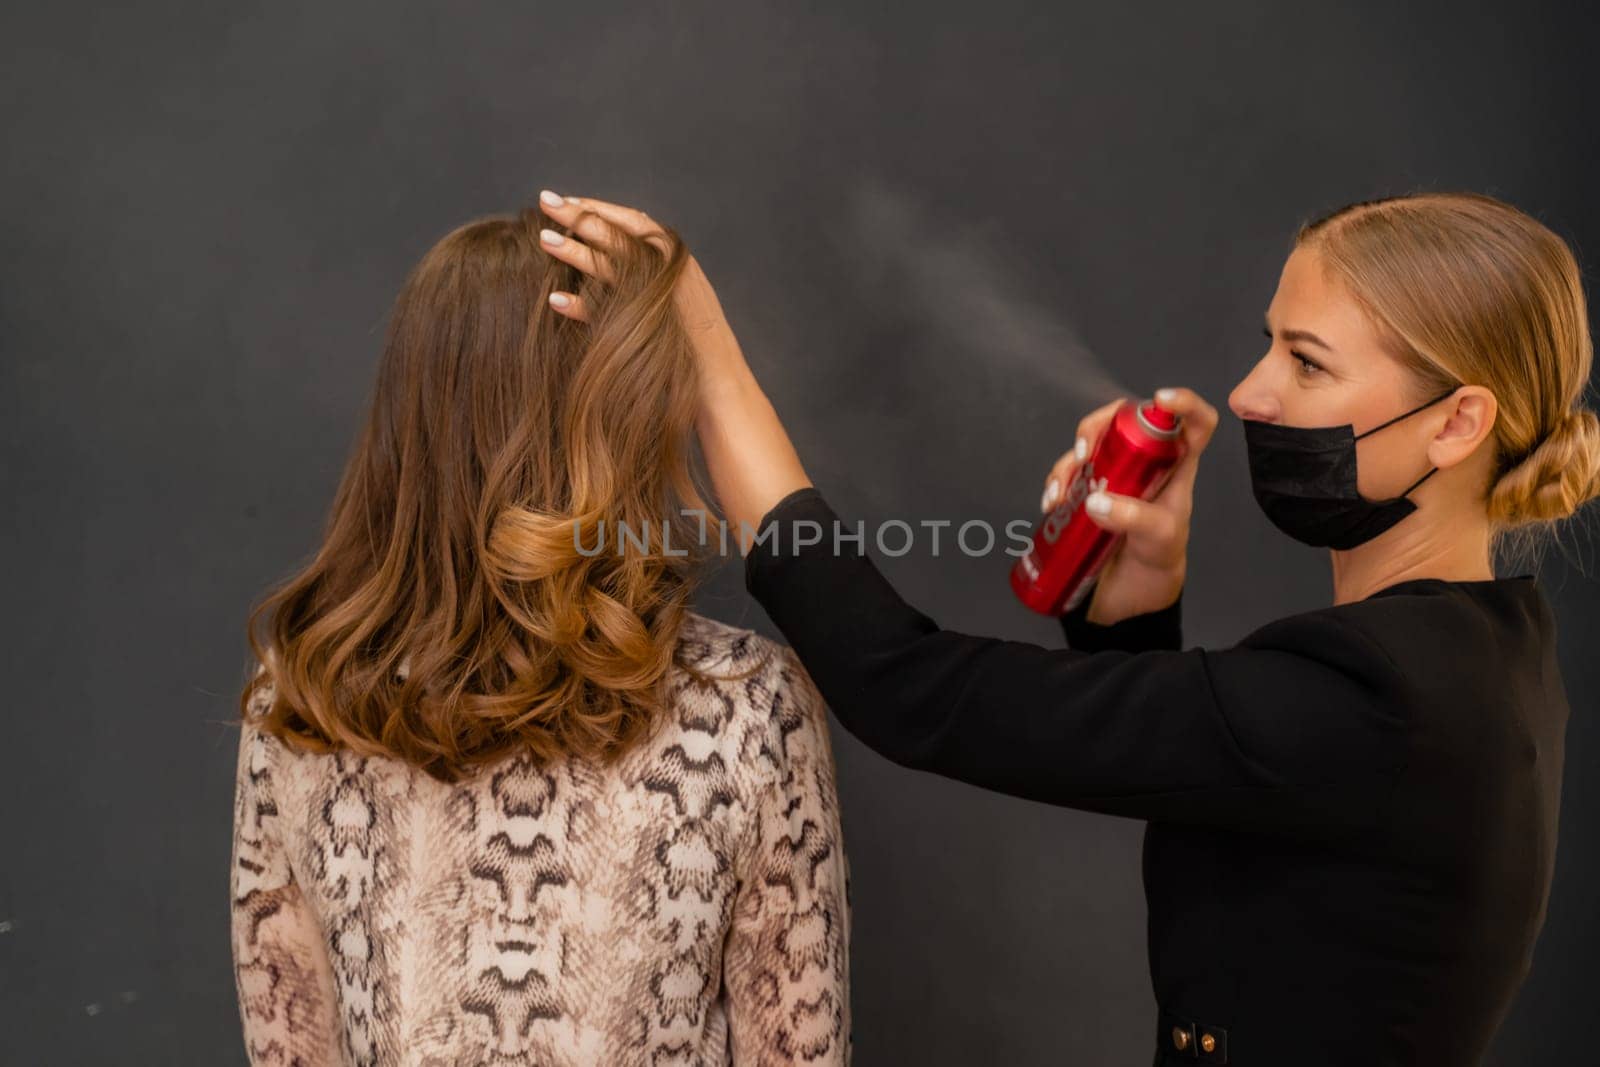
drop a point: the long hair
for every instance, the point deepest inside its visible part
(1465, 288)
(507, 560)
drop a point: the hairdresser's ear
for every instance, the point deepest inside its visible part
(1472, 413)
(571, 305)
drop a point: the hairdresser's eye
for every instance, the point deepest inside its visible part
(1303, 365)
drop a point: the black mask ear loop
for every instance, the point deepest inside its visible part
(1431, 470)
(1405, 414)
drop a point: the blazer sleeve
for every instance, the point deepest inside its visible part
(1299, 728)
(1140, 633)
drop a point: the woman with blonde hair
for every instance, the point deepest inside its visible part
(1351, 812)
(502, 796)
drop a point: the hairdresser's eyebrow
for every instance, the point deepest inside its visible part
(1298, 335)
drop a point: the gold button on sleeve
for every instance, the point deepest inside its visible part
(1180, 1037)
(1208, 1043)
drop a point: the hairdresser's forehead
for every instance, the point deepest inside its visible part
(1309, 299)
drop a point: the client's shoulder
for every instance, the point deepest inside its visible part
(709, 644)
(746, 686)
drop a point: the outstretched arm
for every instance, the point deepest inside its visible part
(748, 453)
(1300, 728)
(754, 465)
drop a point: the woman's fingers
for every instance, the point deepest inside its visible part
(1198, 417)
(573, 251)
(698, 307)
(566, 208)
(571, 305)
(1159, 531)
(1055, 483)
(592, 220)
(1198, 420)
(1090, 427)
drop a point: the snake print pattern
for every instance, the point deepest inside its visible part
(688, 905)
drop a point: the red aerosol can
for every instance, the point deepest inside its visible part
(1134, 457)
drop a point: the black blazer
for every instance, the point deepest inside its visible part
(1352, 812)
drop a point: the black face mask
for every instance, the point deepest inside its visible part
(1304, 478)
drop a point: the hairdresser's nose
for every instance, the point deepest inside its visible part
(1254, 397)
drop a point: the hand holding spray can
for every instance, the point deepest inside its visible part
(1134, 457)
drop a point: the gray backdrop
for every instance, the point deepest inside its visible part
(921, 222)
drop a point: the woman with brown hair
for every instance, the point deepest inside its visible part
(1351, 813)
(502, 797)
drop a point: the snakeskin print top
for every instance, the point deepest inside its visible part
(689, 905)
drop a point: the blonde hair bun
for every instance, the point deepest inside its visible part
(1558, 477)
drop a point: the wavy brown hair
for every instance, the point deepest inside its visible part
(507, 560)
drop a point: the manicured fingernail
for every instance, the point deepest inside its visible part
(1166, 396)
(560, 300)
(551, 237)
(1048, 500)
(1098, 504)
(1082, 448)
(551, 198)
